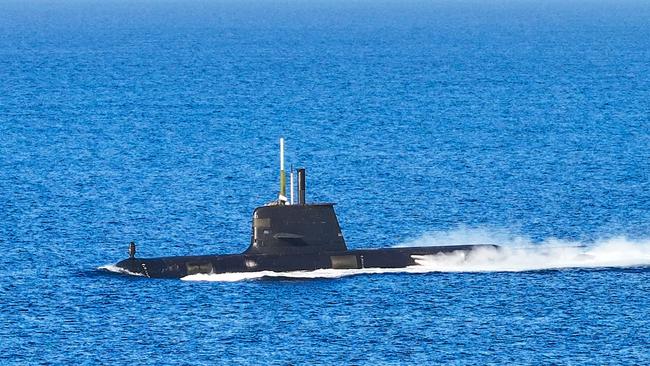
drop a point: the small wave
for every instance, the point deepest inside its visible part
(115, 269)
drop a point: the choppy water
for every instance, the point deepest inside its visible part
(516, 123)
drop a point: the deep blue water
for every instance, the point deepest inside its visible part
(158, 121)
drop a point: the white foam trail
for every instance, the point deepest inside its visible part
(613, 253)
(516, 254)
(115, 269)
(319, 273)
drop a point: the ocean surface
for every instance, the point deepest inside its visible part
(520, 123)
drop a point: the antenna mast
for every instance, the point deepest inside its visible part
(291, 184)
(282, 198)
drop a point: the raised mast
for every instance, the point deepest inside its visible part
(282, 198)
(291, 185)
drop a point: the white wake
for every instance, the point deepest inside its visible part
(618, 252)
(319, 273)
(519, 253)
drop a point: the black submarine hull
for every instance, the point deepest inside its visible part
(178, 267)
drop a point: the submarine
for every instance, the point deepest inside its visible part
(288, 236)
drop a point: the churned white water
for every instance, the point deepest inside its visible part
(519, 253)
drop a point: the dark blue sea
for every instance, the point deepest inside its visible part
(519, 123)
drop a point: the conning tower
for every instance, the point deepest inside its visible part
(287, 228)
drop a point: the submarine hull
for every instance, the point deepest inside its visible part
(178, 267)
(284, 238)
